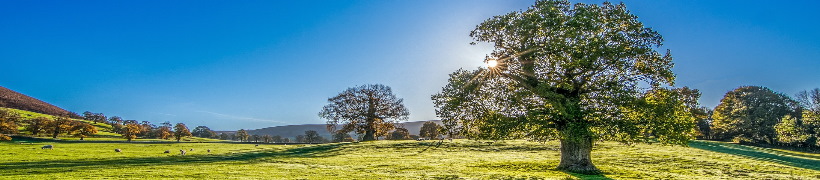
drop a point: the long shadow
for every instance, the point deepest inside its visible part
(60, 166)
(761, 154)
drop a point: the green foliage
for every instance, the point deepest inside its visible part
(750, 113)
(396, 160)
(399, 134)
(203, 132)
(569, 72)
(342, 137)
(312, 136)
(429, 130)
(242, 135)
(371, 110)
(791, 131)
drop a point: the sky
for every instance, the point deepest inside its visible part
(235, 65)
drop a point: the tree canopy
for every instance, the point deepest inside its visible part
(180, 131)
(750, 113)
(371, 110)
(576, 73)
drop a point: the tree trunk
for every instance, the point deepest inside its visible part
(82, 138)
(369, 135)
(575, 156)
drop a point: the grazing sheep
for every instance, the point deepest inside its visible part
(209, 150)
(257, 145)
(192, 150)
(117, 150)
(182, 152)
(167, 151)
(48, 147)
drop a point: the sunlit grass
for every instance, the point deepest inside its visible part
(387, 160)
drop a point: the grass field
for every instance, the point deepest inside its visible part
(463, 159)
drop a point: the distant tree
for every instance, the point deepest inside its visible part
(371, 110)
(809, 100)
(312, 136)
(82, 130)
(267, 138)
(37, 125)
(242, 135)
(130, 131)
(342, 137)
(301, 139)
(164, 132)
(115, 120)
(146, 128)
(180, 131)
(233, 137)
(749, 113)
(285, 140)
(399, 134)
(429, 130)
(277, 139)
(224, 136)
(203, 132)
(256, 138)
(8, 123)
(94, 117)
(703, 118)
(62, 124)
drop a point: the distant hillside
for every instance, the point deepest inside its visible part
(15, 100)
(292, 131)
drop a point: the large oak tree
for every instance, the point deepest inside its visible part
(371, 110)
(575, 73)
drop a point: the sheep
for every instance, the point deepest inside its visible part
(257, 145)
(117, 150)
(209, 150)
(48, 147)
(167, 151)
(181, 152)
(192, 149)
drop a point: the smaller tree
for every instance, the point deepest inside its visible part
(399, 134)
(267, 138)
(180, 131)
(8, 123)
(312, 136)
(115, 120)
(82, 130)
(59, 126)
(300, 138)
(242, 135)
(130, 131)
(429, 130)
(37, 125)
(277, 139)
(203, 132)
(256, 138)
(223, 136)
(342, 137)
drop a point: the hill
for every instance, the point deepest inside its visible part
(15, 100)
(406, 159)
(291, 131)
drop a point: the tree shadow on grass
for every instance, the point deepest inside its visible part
(762, 154)
(61, 166)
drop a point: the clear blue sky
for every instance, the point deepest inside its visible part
(254, 64)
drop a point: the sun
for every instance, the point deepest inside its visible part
(492, 63)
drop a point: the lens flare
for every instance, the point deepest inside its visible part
(492, 63)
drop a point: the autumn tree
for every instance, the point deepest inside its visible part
(371, 110)
(750, 113)
(242, 135)
(164, 131)
(60, 125)
(37, 125)
(8, 123)
(574, 73)
(130, 131)
(82, 130)
(203, 132)
(399, 134)
(429, 130)
(180, 131)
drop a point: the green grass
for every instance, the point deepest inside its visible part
(396, 160)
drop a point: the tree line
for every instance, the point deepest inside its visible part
(759, 115)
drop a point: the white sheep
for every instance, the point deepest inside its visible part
(117, 150)
(48, 147)
(182, 152)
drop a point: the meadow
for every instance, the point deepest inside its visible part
(460, 159)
